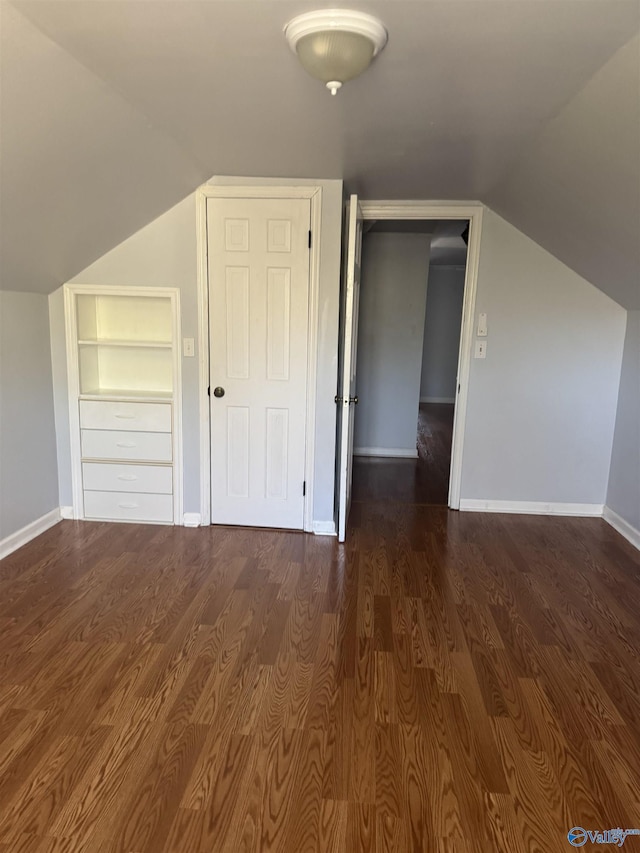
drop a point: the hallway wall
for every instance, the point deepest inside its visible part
(442, 322)
(391, 330)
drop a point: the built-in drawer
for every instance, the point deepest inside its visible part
(140, 417)
(117, 444)
(128, 506)
(113, 477)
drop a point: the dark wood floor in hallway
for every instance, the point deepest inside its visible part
(424, 480)
(445, 683)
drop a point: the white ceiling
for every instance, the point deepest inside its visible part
(113, 111)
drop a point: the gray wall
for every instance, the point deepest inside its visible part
(163, 254)
(391, 329)
(623, 495)
(542, 405)
(443, 318)
(28, 469)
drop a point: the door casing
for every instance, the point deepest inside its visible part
(447, 210)
(314, 194)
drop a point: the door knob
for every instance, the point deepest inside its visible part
(218, 392)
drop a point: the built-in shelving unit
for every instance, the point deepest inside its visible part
(124, 386)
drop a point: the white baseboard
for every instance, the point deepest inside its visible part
(391, 452)
(192, 519)
(324, 528)
(530, 507)
(16, 540)
(623, 527)
(437, 399)
(66, 512)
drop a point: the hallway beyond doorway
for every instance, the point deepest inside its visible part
(424, 480)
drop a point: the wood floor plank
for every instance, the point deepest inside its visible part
(442, 683)
(37, 803)
(332, 831)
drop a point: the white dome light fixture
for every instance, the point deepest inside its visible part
(335, 45)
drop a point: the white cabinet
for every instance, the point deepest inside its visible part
(124, 383)
(128, 506)
(143, 417)
(118, 444)
(122, 477)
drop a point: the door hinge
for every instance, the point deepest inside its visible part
(309, 239)
(458, 387)
(304, 488)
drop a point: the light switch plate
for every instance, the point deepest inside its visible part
(482, 325)
(480, 350)
(188, 347)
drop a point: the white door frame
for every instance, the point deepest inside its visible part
(448, 210)
(314, 194)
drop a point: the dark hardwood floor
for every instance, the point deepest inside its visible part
(424, 480)
(445, 683)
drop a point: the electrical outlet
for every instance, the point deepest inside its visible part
(188, 347)
(482, 326)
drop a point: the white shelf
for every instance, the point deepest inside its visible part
(112, 318)
(127, 395)
(132, 370)
(115, 343)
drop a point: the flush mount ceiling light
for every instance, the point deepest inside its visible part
(335, 45)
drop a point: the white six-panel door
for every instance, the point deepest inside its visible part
(258, 260)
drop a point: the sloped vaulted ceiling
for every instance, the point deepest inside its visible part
(576, 188)
(113, 111)
(81, 168)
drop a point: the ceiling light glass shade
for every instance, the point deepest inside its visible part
(334, 55)
(335, 45)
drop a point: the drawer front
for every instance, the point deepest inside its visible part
(117, 444)
(139, 417)
(128, 506)
(103, 477)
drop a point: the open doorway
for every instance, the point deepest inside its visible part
(411, 310)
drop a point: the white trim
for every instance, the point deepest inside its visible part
(324, 528)
(531, 507)
(471, 210)
(203, 355)
(192, 519)
(73, 390)
(437, 399)
(314, 194)
(66, 512)
(16, 540)
(630, 533)
(391, 452)
(408, 209)
(178, 457)
(263, 191)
